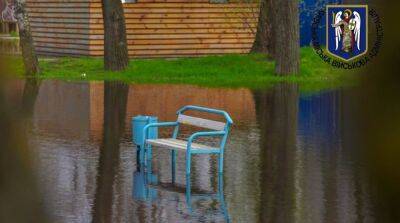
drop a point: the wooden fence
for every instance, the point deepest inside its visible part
(155, 28)
(60, 27)
(8, 27)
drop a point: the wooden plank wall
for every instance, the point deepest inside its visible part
(60, 27)
(155, 28)
(173, 28)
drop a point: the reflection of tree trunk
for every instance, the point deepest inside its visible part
(31, 91)
(277, 116)
(115, 101)
(29, 96)
(263, 41)
(26, 41)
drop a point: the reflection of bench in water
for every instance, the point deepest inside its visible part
(204, 205)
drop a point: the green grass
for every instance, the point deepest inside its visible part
(14, 34)
(253, 71)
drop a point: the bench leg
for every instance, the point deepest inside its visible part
(188, 163)
(221, 163)
(188, 189)
(188, 193)
(138, 156)
(148, 155)
(141, 154)
(173, 164)
(188, 186)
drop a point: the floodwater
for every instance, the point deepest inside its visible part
(288, 157)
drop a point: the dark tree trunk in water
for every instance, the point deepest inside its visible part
(263, 42)
(26, 41)
(115, 43)
(31, 91)
(29, 96)
(286, 36)
(115, 101)
(277, 115)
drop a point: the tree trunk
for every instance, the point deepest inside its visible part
(286, 37)
(115, 44)
(263, 42)
(29, 56)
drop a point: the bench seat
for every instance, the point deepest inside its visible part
(171, 143)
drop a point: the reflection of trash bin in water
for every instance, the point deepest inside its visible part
(141, 190)
(138, 124)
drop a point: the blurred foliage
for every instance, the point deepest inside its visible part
(14, 34)
(19, 199)
(380, 116)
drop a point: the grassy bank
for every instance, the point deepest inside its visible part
(250, 71)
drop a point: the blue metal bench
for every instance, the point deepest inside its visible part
(220, 129)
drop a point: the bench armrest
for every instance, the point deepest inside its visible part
(203, 134)
(158, 124)
(209, 110)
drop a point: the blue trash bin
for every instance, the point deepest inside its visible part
(138, 124)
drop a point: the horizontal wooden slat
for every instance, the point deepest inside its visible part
(61, 20)
(182, 41)
(62, 51)
(145, 47)
(201, 122)
(97, 4)
(65, 25)
(153, 52)
(66, 35)
(146, 26)
(33, 5)
(146, 41)
(176, 144)
(148, 36)
(61, 1)
(66, 41)
(148, 21)
(144, 16)
(147, 31)
(146, 10)
(76, 46)
(180, 1)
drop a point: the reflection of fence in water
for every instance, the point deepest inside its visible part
(9, 45)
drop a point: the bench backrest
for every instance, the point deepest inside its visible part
(201, 122)
(204, 123)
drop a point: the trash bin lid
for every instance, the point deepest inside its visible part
(144, 118)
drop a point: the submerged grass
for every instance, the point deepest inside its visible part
(253, 71)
